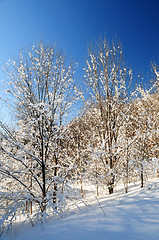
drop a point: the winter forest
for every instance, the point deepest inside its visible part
(100, 131)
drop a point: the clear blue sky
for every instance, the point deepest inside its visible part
(74, 23)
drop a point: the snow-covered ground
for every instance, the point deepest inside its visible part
(120, 216)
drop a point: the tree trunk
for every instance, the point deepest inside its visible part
(110, 188)
(55, 183)
(111, 181)
(127, 176)
(142, 176)
(43, 170)
(111, 184)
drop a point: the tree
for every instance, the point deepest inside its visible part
(107, 80)
(144, 110)
(42, 88)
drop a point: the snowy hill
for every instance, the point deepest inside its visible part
(120, 216)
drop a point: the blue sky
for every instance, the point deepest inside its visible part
(74, 23)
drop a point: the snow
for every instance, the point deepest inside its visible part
(133, 216)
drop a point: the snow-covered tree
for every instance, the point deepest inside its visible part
(79, 141)
(144, 110)
(42, 89)
(107, 80)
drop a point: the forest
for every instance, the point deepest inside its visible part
(101, 130)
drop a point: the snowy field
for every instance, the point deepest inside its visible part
(120, 216)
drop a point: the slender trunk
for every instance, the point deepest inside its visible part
(97, 190)
(81, 182)
(97, 181)
(111, 181)
(127, 171)
(82, 193)
(55, 183)
(43, 170)
(142, 176)
(79, 160)
(127, 176)
(111, 184)
(55, 193)
(142, 167)
(31, 207)
(43, 173)
(31, 185)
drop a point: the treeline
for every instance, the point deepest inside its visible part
(115, 137)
